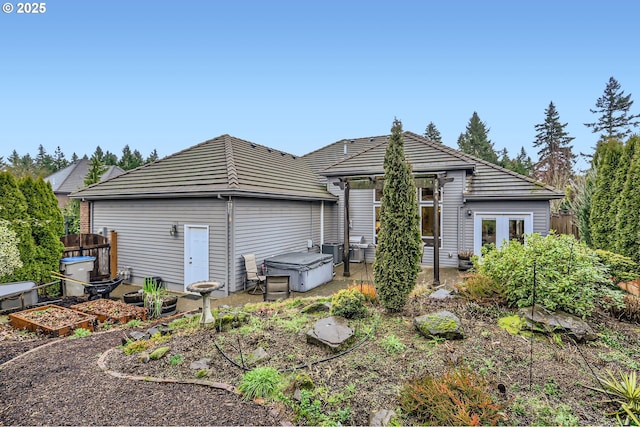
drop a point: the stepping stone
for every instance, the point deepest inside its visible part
(331, 333)
(441, 294)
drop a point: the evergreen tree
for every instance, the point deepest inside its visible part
(555, 156)
(59, 162)
(110, 159)
(398, 255)
(9, 253)
(432, 133)
(628, 215)
(475, 141)
(99, 154)
(613, 108)
(130, 160)
(96, 170)
(152, 157)
(580, 203)
(44, 162)
(13, 208)
(602, 223)
(74, 158)
(523, 164)
(46, 226)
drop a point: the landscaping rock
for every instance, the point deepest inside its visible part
(442, 324)
(441, 294)
(158, 329)
(200, 364)
(159, 353)
(143, 357)
(558, 321)
(330, 332)
(133, 336)
(381, 418)
(258, 356)
(317, 307)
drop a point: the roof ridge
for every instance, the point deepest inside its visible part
(232, 172)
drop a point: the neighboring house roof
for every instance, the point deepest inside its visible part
(71, 178)
(225, 166)
(486, 181)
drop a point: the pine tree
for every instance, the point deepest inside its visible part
(44, 162)
(74, 158)
(130, 160)
(96, 170)
(432, 133)
(602, 225)
(59, 162)
(99, 154)
(13, 208)
(613, 108)
(555, 156)
(110, 159)
(475, 141)
(628, 215)
(523, 163)
(152, 157)
(397, 260)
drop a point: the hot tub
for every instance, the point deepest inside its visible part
(305, 270)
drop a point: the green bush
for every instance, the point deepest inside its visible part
(619, 267)
(348, 303)
(479, 287)
(567, 272)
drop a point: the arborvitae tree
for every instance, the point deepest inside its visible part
(96, 170)
(398, 255)
(621, 173)
(555, 156)
(152, 157)
(9, 253)
(432, 133)
(602, 221)
(46, 226)
(59, 162)
(628, 215)
(475, 141)
(13, 208)
(580, 203)
(615, 121)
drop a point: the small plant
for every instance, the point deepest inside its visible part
(366, 289)
(348, 303)
(176, 359)
(135, 323)
(459, 397)
(624, 390)
(80, 333)
(262, 382)
(154, 294)
(465, 254)
(512, 324)
(480, 287)
(392, 344)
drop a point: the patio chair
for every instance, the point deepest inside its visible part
(276, 287)
(252, 276)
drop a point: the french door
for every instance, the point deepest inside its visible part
(499, 228)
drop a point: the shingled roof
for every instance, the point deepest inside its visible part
(225, 166)
(486, 180)
(71, 178)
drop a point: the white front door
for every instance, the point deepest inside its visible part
(196, 253)
(498, 228)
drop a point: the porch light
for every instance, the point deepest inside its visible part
(469, 212)
(173, 230)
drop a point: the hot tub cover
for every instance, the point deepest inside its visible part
(300, 261)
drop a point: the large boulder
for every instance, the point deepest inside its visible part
(442, 324)
(332, 333)
(558, 321)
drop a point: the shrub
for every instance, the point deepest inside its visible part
(459, 397)
(366, 289)
(628, 310)
(480, 287)
(619, 267)
(567, 272)
(348, 303)
(260, 382)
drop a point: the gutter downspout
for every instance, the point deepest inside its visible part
(228, 251)
(345, 254)
(321, 224)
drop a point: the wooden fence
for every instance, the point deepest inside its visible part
(93, 245)
(565, 223)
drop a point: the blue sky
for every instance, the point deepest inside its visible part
(297, 75)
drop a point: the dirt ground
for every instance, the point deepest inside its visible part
(59, 381)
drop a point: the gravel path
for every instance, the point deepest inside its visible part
(61, 384)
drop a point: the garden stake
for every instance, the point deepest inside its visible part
(532, 333)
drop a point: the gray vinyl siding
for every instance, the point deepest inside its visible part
(144, 242)
(539, 209)
(270, 227)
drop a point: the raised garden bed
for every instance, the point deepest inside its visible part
(52, 320)
(107, 310)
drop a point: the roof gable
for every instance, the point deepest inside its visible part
(486, 180)
(224, 165)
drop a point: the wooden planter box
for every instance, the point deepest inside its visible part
(107, 310)
(52, 320)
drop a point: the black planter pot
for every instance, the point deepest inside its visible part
(464, 264)
(133, 298)
(169, 304)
